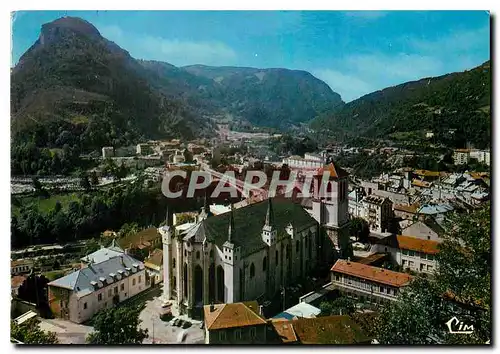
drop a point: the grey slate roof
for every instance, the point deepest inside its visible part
(102, 255)
(103, 273)
(248, 223)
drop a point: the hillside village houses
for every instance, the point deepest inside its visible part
(21, 266)
(463, 156)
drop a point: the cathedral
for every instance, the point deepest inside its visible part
(252, 252)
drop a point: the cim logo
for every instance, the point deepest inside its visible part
(455, 326)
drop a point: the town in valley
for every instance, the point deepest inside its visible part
(390, 244)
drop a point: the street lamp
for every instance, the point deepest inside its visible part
(152, 319)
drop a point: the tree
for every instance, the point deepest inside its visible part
(359, 228)
(84, 181)
(94, 180)
(117, 325)
(188, 156)
(29, 332)
(461, 287)
(418, 314)
(34, 289)
(339, 306)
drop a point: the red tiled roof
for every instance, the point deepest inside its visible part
(367, 272)
(285, 331)
(334, 170)
(17, 280)
(240, 314)
(417, 244)
(407, 208)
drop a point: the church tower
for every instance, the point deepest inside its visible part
(269, 229)
(166, 232)
(232, 257)
(331, 209)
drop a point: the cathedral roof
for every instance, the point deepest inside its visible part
(248, 223)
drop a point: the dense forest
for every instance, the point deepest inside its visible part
(93, 212)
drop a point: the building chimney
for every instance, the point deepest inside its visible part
(261, 310)
(212, 307)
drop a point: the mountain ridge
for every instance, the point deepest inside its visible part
(456, 101)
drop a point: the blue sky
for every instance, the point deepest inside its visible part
(354, 52)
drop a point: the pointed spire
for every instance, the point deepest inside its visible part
(231, 224)
(205, 204)
(168, 217)
(270, 213)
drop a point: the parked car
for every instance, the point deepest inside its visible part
(186, 324)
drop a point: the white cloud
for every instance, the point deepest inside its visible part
(459, 41)
(348, 86)
(397, 67)
(175, 51)
(111, 32)
(179, 52)
(357, 75)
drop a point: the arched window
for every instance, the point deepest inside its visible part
(297, 245)
(197, 254)
(175, 282)
(173, 263)
(264, 264)
(252, 270)
(277, 255)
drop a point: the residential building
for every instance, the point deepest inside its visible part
(154, 266)
(482, 156)
(367, 283)
(408, 212)
(102, 254)
(395, 197)
(147, 239)
(461, 156)
(417, 254)
(108, 152)
(144, 149)
(298, 162)
(427, 229)
(235, 323)
(21, 266)
(356, 209)
(80, 295)
(377, 211)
